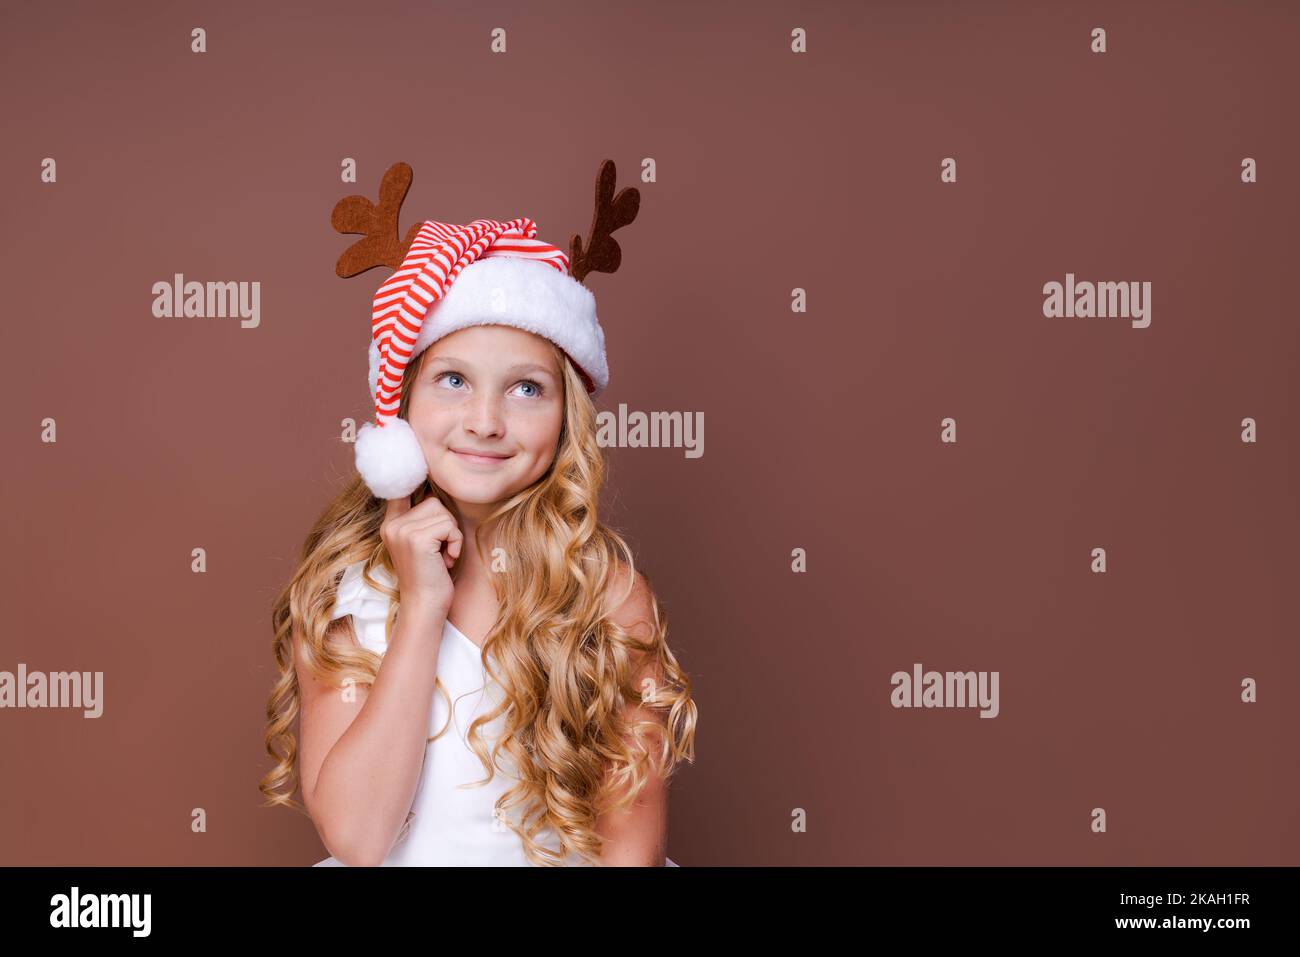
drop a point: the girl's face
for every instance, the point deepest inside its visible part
(487, 389)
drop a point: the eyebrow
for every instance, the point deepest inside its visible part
(521, 367)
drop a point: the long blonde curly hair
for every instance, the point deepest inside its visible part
(566, 667)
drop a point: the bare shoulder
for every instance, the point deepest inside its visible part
(632, 599)
(635, 612)
(322, 704)
(338, 633)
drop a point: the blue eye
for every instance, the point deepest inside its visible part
(537, 394)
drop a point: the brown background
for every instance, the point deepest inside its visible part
(775, 170)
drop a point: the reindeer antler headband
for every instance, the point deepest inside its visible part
(451, 276)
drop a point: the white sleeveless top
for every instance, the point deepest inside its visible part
(452, 825)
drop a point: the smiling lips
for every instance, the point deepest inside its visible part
(479, 458)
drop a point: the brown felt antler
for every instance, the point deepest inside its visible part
(603, 253)
(356, 214)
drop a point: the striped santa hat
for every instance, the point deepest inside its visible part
(453, 276)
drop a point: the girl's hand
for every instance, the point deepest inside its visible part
(423, 542)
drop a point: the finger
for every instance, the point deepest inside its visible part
(454, 542)
(431, 507)
(396, 507)
(447, 535)
(439, 528)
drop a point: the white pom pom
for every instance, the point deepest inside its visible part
(390, 459)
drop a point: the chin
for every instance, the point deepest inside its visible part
(472, 492)
(478, 497)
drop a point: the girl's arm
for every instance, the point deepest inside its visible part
(360, 760)
(638, 835)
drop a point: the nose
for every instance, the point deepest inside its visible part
(483, 416)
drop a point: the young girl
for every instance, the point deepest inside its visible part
(480, 674)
